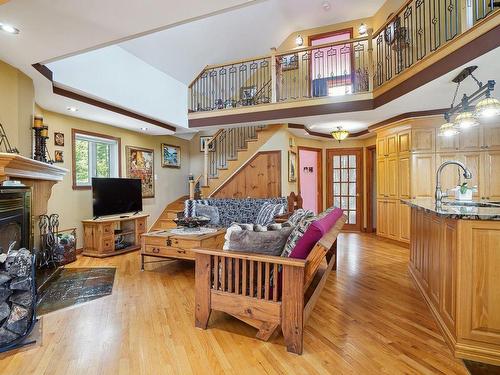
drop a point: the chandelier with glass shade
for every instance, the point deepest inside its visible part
(466, 114)
(340, 134)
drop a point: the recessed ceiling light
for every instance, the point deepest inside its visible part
(326, 5)
(9, 29)
(72, 109)
(144, 129)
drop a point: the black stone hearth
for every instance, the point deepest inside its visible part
(17, 298)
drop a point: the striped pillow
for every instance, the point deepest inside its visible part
(268, 212)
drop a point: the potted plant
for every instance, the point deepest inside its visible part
(464, 193)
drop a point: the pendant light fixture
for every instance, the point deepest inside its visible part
(340, 134)
(466, 116)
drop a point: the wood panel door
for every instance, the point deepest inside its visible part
(470, 139)
(391, 218)
(423, 173)
(381, 177)
(260, 177)
(345, 185)
(404, 142)
(404, 222)
(423, 140)
(391, 177)
(491, 135)
(491, 172)
(382, 217)
(404, 177)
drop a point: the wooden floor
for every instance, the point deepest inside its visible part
(371, 320)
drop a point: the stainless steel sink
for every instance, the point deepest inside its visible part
(472, 204)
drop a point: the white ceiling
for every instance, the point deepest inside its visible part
(183, 51)
(51, 29)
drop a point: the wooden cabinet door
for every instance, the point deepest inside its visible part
(491, 135)
(447, 144)
(381, 147)
(404, 222)
(381, 177)
(491, 173)
(471, 139)
(435, 260)
(392, 145)
(391, 177)
(448, 272)
(392, 219)
(423, 172)
(382, 218)
(404, 141)
(404, 176)
(423, 140)
(473, 162)
(451, 175)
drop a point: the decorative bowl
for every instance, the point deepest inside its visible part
(191, 222)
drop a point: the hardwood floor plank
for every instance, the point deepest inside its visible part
(370, 319)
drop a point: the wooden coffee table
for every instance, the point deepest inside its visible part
(165, 244)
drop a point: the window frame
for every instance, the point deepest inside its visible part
(74, 134)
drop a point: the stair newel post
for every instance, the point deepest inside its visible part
(274, 76)
(371, 67)
(466, 15)
(205, 165)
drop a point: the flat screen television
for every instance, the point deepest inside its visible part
(112, 196)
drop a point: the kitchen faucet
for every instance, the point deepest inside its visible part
(439, 195)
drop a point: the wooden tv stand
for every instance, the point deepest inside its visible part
(99, 235)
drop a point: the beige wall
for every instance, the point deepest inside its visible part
(16, 107)
(390, 6)
(75, 205)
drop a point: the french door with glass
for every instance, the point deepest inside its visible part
(344, 167)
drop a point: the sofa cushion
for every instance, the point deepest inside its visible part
(269, 242)
(208, 211)
(268, 212)
(190, 206)
(298, 215)
(309, 231)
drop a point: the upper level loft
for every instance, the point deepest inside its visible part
(336, 72)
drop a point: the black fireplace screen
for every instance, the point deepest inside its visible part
(15, 218)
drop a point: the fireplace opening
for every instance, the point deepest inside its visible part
(15, 218)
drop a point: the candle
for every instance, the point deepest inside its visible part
(38, 122)
(45, 132)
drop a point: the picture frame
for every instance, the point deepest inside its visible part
(58, 139)
(58, 156)
(292, 166)
(170, 156)
(203, 140)
(289, 62)
(140, 164)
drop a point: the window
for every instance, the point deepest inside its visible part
(331, 66)
(94, 155)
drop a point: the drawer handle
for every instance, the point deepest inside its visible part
(181, 251)
(169, 242)
(156, 250)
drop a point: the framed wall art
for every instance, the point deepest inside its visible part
(170, 156)
(140, 164)
(292, 166)
(58, 156)
(58, 139)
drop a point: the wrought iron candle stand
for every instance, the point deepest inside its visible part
(41, 132)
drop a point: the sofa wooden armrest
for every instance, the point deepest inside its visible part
(264, 291)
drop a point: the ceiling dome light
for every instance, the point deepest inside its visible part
(447, 130)
(466, 120)
(299, 41)
(326, 5)
(144, 129)
(363, 29)
(488, 107)
(72, 109)
(9, 29)
(340, 134)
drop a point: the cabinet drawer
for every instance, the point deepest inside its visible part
(107, 230)
(173, 252)
(141, 226)
(108, 244)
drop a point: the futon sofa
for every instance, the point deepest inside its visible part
(244, 210)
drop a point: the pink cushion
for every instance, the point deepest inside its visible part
(313, 233)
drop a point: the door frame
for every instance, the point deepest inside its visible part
(319, 151)
(359, 182)
(370, 185)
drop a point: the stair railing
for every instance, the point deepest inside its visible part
(224, 146)
(193, 187)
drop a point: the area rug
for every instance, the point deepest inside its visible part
(73, 286)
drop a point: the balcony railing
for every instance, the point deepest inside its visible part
(358, 65)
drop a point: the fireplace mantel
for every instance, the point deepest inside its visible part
(13, 166)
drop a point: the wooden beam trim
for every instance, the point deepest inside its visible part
(47, 73)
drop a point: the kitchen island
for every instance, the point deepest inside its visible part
(455, 263)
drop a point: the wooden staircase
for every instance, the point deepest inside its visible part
(227, 152)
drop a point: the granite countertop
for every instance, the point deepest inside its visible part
(457, 210)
